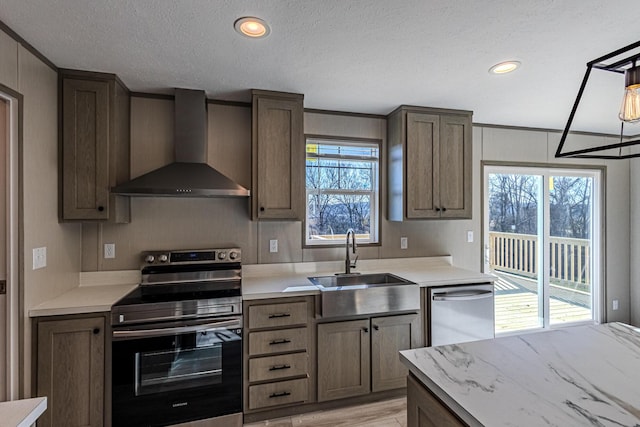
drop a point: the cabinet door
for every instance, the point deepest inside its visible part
(454, 177)
(389, 336)
(85, 149)
(425, 410)
(70, 371)
(343, 359)
(423, 144)
(278, 148)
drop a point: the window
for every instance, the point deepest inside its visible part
(542, 240)
(342, 181)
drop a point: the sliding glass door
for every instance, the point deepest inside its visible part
(542, 241)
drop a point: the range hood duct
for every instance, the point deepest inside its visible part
(189, 175)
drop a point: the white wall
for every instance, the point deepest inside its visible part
(24, 73)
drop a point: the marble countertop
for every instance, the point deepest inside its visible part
(22, 413)
(98, 291)
(575, 376)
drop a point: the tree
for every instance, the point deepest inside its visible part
(336, 201)
(513, 203)
(570, 204)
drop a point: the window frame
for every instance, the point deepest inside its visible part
(376, 214)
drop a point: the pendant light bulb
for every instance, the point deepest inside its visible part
(630, 109)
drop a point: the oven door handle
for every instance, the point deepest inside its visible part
(157, 332)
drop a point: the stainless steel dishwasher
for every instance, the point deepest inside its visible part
(460, 313)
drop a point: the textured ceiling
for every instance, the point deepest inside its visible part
(365, 56)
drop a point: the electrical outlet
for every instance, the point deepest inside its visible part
(109, 250)
(404, 242)
(273, 245)
(616, 305)
(469, 236)
(39, 258)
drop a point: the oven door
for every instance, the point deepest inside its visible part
(174, 372)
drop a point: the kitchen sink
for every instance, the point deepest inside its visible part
(361, 280)
(344, 295)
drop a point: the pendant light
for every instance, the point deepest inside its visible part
(630, 109)
(622, 61)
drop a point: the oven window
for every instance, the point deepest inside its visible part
(193, 360)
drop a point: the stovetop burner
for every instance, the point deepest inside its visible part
(143, 296)
(179, 284)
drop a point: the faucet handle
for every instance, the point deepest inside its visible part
(353, 263)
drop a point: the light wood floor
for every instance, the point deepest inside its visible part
(389, 413)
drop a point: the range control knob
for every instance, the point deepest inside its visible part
(222, 255)
(149, 259)
(233, 255)
(163, 258)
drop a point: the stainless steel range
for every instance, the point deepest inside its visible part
(177, 340)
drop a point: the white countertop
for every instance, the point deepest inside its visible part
(261, 281)
(98, 291)
(22, 413)
(576, 376)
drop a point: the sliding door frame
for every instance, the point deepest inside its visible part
(599, 242)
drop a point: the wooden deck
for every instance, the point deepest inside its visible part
(516, 305)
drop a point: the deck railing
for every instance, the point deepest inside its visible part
(517, 253)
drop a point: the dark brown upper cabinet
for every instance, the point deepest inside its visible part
(94, 147)
(278, 156)
(429, 163)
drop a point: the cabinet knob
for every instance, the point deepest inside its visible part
(444, 209)
(376, 327)
(437, 209)
(96, 331)
(100, 208)
(365, 330)
(261, 208)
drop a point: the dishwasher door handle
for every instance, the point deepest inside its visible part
(462, 295)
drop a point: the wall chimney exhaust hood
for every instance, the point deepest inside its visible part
(189, 175)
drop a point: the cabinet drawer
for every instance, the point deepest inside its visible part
(280, 393)
(272, 315)
(276, 367)
(268, 342)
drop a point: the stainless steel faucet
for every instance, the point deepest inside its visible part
(347, 262)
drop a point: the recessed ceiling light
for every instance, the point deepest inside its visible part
(252, 27)
(504, 67)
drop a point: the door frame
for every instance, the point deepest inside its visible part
(14, 242)
(599, 304)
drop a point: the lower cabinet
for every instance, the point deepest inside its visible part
(278, 353)
(356, 357)
(70, 363)
(344, 351)
(425, 410)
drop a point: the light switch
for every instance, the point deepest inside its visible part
(273, 245)
(469, 236)
(404, 242)
(39, 258)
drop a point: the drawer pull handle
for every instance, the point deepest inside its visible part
(279, 367)
(280, 341)
(280, 394)
(279, 315)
